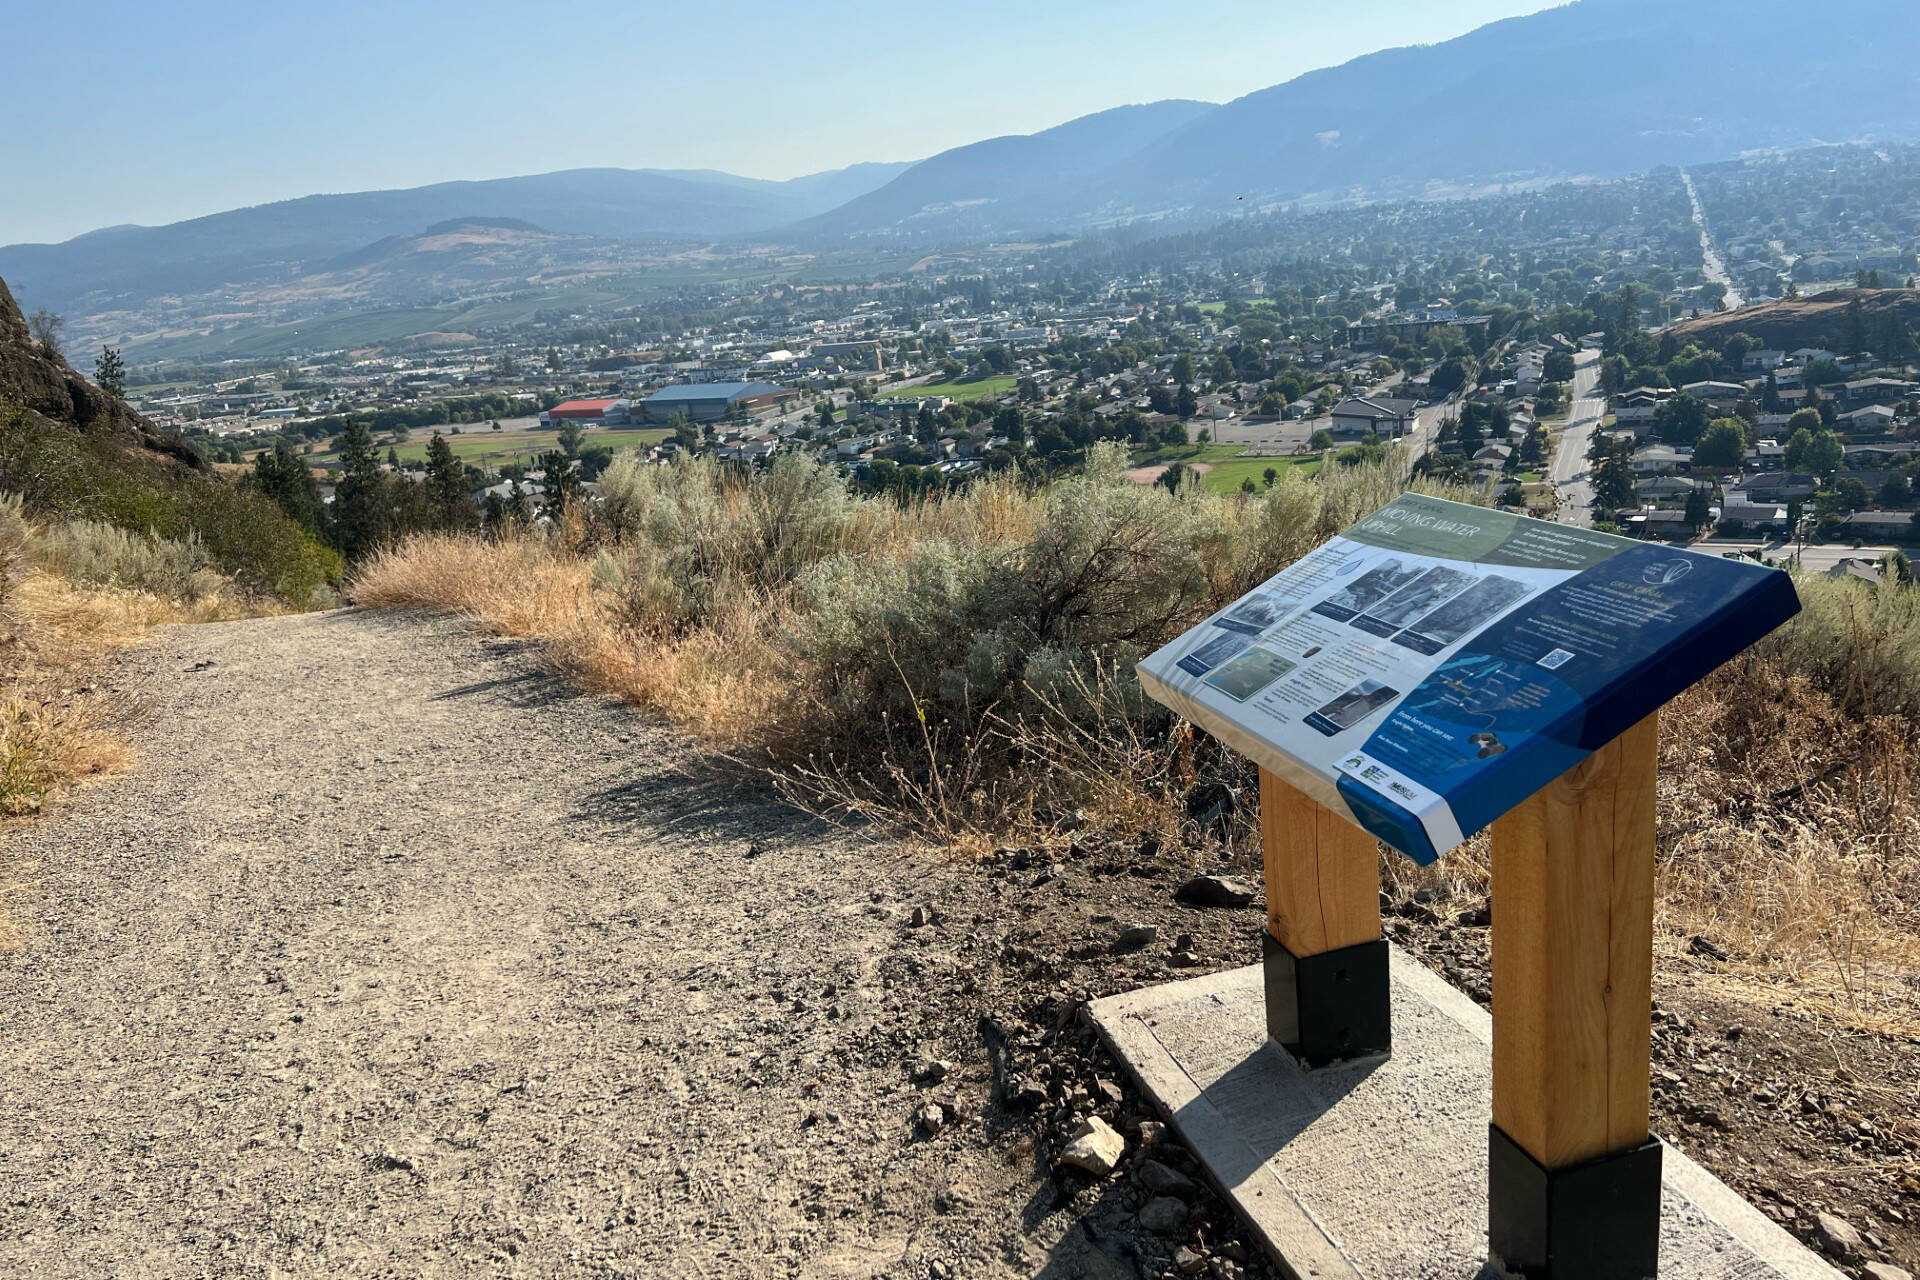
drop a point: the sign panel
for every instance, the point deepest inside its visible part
(1438, 663)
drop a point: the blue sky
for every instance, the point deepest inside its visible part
(139, 112)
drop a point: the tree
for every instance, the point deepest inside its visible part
(46, 327)
(1269, 476)
(1170, 478)
(570, 433)
(1824, 454)
(447, 491)
(1680, 419)
(1613, 482)
(1185, 404)
(280, 474)
(110, 373)
(1698, 512)
(359, 498)
(1557, 367)
(563, 486)
(1895, 491)
(1723, 446)
(1320, 440)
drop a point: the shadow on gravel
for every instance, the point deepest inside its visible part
(525, 689)
(714, 807)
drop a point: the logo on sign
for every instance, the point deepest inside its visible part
(1664, 573)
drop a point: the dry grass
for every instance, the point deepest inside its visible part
(61, 616)
(913, 667)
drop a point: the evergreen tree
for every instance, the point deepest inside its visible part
(563, 486)
(1698, 512)
(359, 498)
(281, 474)
(447, 490)
(110, 374)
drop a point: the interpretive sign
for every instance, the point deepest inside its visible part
(1438, 663)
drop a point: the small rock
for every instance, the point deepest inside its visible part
(1165, 1180)
(1479, 917)
(1075, 821)
(1701, 945)
(1184, 959)
(1094, 1148)
(1189, 1262)
(1149, 845)
(1164, 1215)
(1137, 935)
(1021, 859)
(1109, 1092)
(1215, 891)
(1836, 1235)
(931, 1071)
(1027, 1093)
(1152, 1133)
(1887, 1271)
(932, 1118)
(920, 918)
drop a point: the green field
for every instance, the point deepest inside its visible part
(961, 389)
(1226, 476)
(484, 448)
(1229, 466)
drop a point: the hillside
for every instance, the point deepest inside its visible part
(1819, 321)
(1001, 181)
(1597, 87)
(57, 400)
(123, 266)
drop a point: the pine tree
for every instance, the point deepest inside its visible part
(447, 497)
(110, 373)
(563, 486)
(282, 475)
(359, 499)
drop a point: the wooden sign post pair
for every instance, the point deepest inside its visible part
(1574, 1177)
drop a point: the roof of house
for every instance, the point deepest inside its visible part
(584, 406)
(712, 391)
(1375, 407)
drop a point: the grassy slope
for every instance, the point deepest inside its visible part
(478, 445)
(960, 389)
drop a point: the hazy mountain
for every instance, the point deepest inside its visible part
(1595, 87)
(992, 184)
(1598, 87)
(123, 266)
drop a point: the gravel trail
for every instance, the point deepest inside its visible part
(392, 955)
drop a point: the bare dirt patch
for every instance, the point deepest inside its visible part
(1149, 475)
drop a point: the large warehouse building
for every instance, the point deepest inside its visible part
(713, 401)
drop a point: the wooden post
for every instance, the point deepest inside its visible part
(1325, 961)
(1574, 1179)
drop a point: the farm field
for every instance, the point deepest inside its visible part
(961, 389)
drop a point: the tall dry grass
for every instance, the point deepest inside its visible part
(960, 669)
(72, 593)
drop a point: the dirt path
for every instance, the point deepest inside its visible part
(392, 955)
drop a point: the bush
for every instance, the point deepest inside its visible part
(103, 555)
(63, 475)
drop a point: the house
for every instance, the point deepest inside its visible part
(1873, 420)
(1663, 488)
(1668, 523)
(1872, 454)
(1759, 517)
(1385, 416)
(1764, 359)
(1785, 486)
(1859, 569)
(1893, 525)
(1767, 455)
(1721, 395)
(1652, 459)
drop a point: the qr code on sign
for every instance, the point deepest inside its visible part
(1557, 659)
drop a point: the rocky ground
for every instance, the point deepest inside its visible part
(394, 956)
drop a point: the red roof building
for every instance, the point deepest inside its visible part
(587, 412)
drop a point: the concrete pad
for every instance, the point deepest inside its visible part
(1377, 1169)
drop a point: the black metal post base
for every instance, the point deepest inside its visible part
(1594, 1221)
(1331, 1006)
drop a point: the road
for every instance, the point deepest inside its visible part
(1569, 472)
(1711, 263)
(1815, 558)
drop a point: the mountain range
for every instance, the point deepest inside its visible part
(1593, 88)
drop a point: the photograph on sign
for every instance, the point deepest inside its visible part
(1437, 663)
